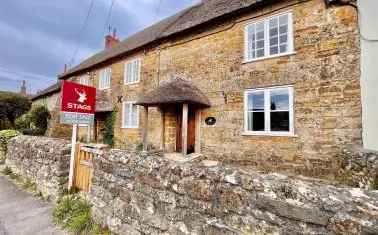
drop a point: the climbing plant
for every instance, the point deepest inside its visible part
(109, 128)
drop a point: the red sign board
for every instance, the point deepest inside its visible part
(77, 98)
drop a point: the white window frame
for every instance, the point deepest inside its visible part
(106, 74)
(290, 39)
(130, 115)
(267, 112)
(125, 77)
(84, 80)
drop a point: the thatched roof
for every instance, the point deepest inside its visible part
(174, 91)
(193, 17)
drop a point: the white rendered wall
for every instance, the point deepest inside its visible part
(369, 72)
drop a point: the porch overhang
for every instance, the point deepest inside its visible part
(175, 91)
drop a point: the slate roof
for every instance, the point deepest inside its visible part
(174, 91)
(192, 17)
(48, 91)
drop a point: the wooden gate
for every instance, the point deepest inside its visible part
(83, 168)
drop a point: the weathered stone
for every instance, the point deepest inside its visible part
(206, 200)
(42, 160)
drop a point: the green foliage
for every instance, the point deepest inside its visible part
(34, 122)
(23, 122)
(5, 136)
(12, 106)
(109, 128)
(7, 171)
(374, 184)
(74, 214)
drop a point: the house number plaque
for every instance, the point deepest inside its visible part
(210, 121)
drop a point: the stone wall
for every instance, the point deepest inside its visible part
(360, 168)
(43, 160)
(148, 194)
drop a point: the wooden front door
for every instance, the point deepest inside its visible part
(191, 129)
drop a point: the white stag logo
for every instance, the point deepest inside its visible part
(82, 96)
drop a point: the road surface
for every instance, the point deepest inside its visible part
(22, 214)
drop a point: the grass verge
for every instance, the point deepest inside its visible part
(74, 214)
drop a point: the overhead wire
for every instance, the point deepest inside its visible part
(84, 26)
(108, 18)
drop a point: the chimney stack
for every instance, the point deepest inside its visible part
(23, 88)
(111, 39)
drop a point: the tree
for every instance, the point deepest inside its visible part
(12, 106)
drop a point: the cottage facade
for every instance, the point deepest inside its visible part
(282, 79)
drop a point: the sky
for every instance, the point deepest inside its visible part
(37, 37)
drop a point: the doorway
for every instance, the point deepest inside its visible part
(191, 129)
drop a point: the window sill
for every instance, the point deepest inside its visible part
(269, 57)
(270, 134)
(131, 83)
(130, 127)
(103, 89)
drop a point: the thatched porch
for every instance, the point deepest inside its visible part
(187, 101)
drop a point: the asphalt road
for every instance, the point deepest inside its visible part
(22, 213)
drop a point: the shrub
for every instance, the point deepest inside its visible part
(23, 122)
(39, 118)
(7, 171)
(109, 128)
(5, 136)
(35, 122)
(12, 106)
(74, 214)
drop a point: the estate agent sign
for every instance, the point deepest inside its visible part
(78, 103)
(77, 107)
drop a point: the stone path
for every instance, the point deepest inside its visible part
(23, 214)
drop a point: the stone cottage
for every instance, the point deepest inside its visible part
(272, 84)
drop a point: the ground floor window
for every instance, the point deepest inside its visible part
(269, 111)
(130, 115)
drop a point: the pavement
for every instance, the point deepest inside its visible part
(22, 214)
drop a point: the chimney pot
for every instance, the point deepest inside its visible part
(111, 39)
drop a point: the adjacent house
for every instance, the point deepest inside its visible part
(271, 84)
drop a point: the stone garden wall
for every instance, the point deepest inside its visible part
(139, 193)
(360, 168)
(44, 160)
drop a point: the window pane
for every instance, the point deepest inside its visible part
(260, 35)
(258, 121)
(283, 29)
(273, 32)
(260, 53)
(251, 41)
(273, 22)
(260, 27)
(249, 121)
(260, 44)
(256, 101)
(284, 19)
(126, 115)
(283, 48)
(134, 116)
(279, 99)
(279, 121)
(283, 38)
(274, 50)
(273, 41)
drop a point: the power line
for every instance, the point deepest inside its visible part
(107, 21)
(24, 75)
(157, 10)
(84, 26)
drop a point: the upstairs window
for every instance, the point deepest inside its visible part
(269, 111)
(130, 115)
(270, 37)
(84, 80)
(132, 71)
(105, 78)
